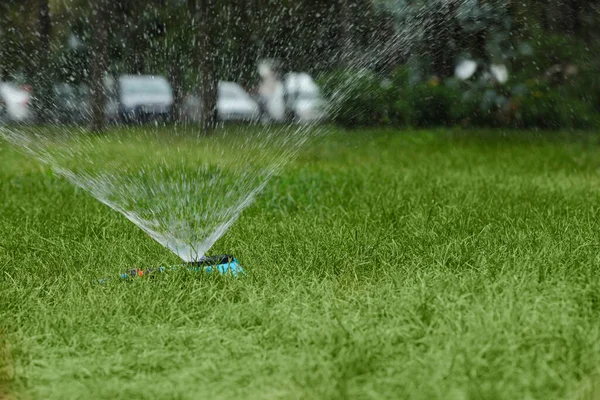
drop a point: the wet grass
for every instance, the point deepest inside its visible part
(423, 265)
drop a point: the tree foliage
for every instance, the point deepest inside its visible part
(197, 42)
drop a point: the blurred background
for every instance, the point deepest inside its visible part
(356, 63)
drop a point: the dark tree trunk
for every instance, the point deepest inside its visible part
(571, 22)
(355, 31)
(176, 78)
(135, 44)
(204, 18)
(45, 26)
(480, 39)
(246, 45)
(4, 26)
(137, 62)
(543, 15)
(99, 66)
(346, 33)
(42, 80)
(438, 33)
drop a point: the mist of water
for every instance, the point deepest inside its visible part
(185, 192)
(185, 189)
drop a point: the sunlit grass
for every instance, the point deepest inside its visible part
(380, 265)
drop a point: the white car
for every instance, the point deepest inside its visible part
(143, 97)
(303, 99)
(18, 103)
(233, 104)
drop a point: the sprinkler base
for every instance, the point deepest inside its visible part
(224, 264)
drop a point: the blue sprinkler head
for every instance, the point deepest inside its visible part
(224, 264)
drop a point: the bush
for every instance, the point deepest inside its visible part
(551, 110)
(400, 113)
(357, 98)
(361, 99)
(399, 109)
(434, 104)
(586, 87)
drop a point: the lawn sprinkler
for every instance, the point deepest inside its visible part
(224, 264)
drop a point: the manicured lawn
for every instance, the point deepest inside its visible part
(422, 265)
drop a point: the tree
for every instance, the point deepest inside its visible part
(204, 15)
(18, 37)
(43, 79)
(176, 49)
(4, 27)
(436, 32)
(99, 63)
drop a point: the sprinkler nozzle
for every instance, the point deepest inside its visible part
(225, 263)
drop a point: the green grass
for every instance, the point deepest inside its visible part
(422, 265)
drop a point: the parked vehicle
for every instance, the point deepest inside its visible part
(233, 104)
(303, 101)
(70, 103)
(18, 102)
(141, 98)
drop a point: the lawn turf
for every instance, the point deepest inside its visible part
(422, 265)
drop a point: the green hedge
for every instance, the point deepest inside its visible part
(550, 110)
(357, 98)
(362, 98)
